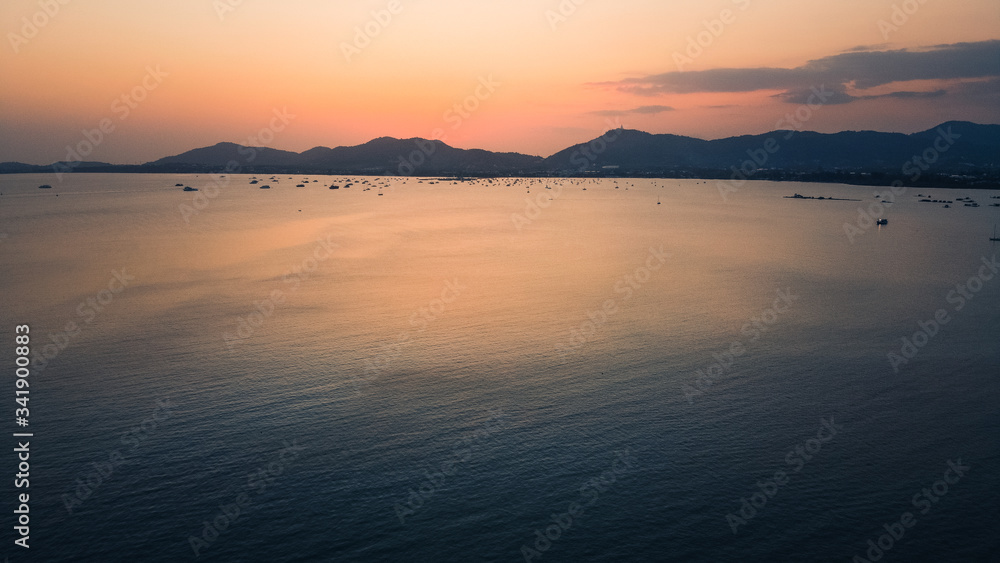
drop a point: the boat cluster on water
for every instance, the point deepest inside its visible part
(382, 182)
(386, 182)
(527, 183)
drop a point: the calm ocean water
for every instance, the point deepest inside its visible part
(451, 373)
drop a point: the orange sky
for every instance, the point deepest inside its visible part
(225, 69)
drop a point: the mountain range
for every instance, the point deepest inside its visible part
(955, 148)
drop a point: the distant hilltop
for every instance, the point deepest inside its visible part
(963, 151)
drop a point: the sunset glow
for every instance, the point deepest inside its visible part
(562, 72)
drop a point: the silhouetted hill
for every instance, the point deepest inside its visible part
(21, 168)
(958, 148)
(384, 155)
(968, 146)
(221, 154)
(409, 156)
(631, 150)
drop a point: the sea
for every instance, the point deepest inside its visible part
(507, 369)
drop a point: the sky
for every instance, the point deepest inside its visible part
(130, 82)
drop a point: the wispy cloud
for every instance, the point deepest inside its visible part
(990, 87)
(642, 110)
(934, 94)
(841, 97)
(864, 48)
(856, 69)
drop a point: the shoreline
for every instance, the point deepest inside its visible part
(866, 179)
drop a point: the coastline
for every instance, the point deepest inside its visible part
(854, 178)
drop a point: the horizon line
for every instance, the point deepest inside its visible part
(620, 128)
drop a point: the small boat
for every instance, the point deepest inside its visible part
(882, 222)
(995, 238)
(45, 187)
